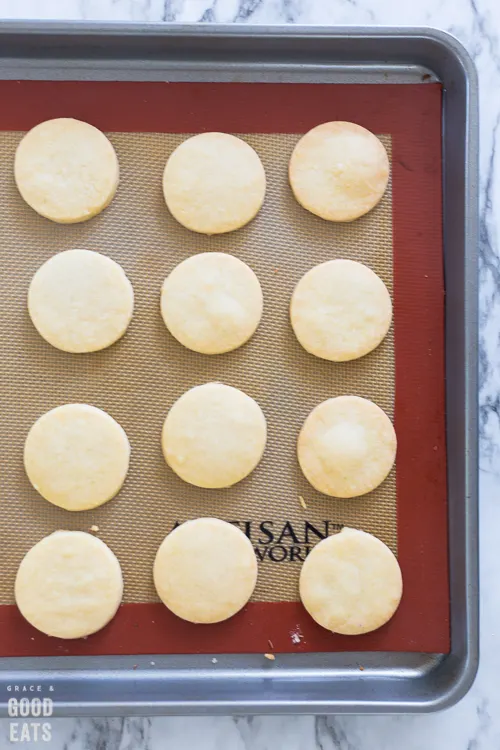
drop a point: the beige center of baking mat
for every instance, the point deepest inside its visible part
(138, 379)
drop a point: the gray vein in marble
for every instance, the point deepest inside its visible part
(485, 31)
(327, 730)
(98, 734)
(136, 734)
(489, 261)
(290, 10)
(209, 14)
(489, 273)
(246, 9)
(244, 726)
(109, 734)
(169, 11)
(484, 723)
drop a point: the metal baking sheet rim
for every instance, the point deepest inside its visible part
(298, 683)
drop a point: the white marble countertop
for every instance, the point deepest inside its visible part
(474, 724)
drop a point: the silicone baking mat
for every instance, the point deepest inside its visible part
(138, 379)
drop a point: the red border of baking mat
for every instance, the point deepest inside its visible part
(412, 115)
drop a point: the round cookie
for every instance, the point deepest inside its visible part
(214, 183)
(351, 583)
(76, 456)
(69, 585)
(211, 303)
(214, 436)
(346, 447)
(340, 310)
(205, 570)
(80, 301)
(339, 171)
(66, 170)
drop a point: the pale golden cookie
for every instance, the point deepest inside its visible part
(66, 170)
(351, 583)
(347, 446)
(76, 456)
(339, 171)
(205, 570)
(211, 303)
(340, 310)
(69, 585)
(214, 435)
(214, 183)
(80, 301)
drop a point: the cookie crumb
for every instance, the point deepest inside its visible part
(94, 529)
(296, 635)
(214, 660)
(302, 502)
(271, 657)
(361, 669)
